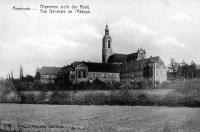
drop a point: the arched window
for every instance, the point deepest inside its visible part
(84, 74)
(79, 74)
(108, 43)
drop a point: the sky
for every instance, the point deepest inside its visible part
(165, 28)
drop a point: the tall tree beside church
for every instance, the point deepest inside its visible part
(21, 75)
(11, 75)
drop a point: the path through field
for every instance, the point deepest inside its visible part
(99, 118)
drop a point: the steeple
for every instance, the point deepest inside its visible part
(106, 46)
(106, 30)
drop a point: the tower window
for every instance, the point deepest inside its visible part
(84, 74)
(79, 74)
(108, 43)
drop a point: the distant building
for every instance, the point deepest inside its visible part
(47, 74)
(89, 71)
(125, 68)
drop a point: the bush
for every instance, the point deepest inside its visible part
(27, 99)
(95, 99)
(60, 98)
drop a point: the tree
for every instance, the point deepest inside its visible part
(193, 70)
(11, 75)
(37, 76)
(184, 70)
(28, 78)
(187, 71)
(173, 68)
(21, 75)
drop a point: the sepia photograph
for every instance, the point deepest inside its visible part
(99, 66)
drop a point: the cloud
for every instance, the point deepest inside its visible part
(142, 35)
(86, 30)
(28, 48)
(181, 18)
(167, 40)
(127, 24)
(41, 45)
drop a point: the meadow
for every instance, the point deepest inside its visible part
(34, 117)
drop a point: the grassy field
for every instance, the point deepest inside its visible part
(99, 118)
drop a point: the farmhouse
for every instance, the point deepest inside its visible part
(47, 74)
(125, 68)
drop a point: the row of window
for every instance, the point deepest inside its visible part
(131, 80)
(135, 68)
(81, 74)
(48, 76)
(102, 78)
(129, 75)
(104, 75)
(108, 44)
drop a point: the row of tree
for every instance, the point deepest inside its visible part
(182, 70)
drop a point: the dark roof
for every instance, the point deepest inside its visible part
(113, 68)
(117, 58)
(102, 67)
(122, 58)
(132, 57)
(49, 70)
(66, 69)
(92, 67)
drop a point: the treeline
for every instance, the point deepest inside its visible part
(182, 70)
(185, 94)
(95, 85)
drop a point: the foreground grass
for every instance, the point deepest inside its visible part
(98, 118)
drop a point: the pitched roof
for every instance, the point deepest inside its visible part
(132, 57)
(93, 67)
(66, 69)
(122, 58)
(117, 58)
(102, 67)
(49, 70)
(113, 68)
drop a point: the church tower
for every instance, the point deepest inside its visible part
(106, 46)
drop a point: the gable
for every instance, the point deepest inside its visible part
(81, 66)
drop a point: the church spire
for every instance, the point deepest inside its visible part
(106, 30)
(106, 45)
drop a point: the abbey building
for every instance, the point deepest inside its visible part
(125, 68)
